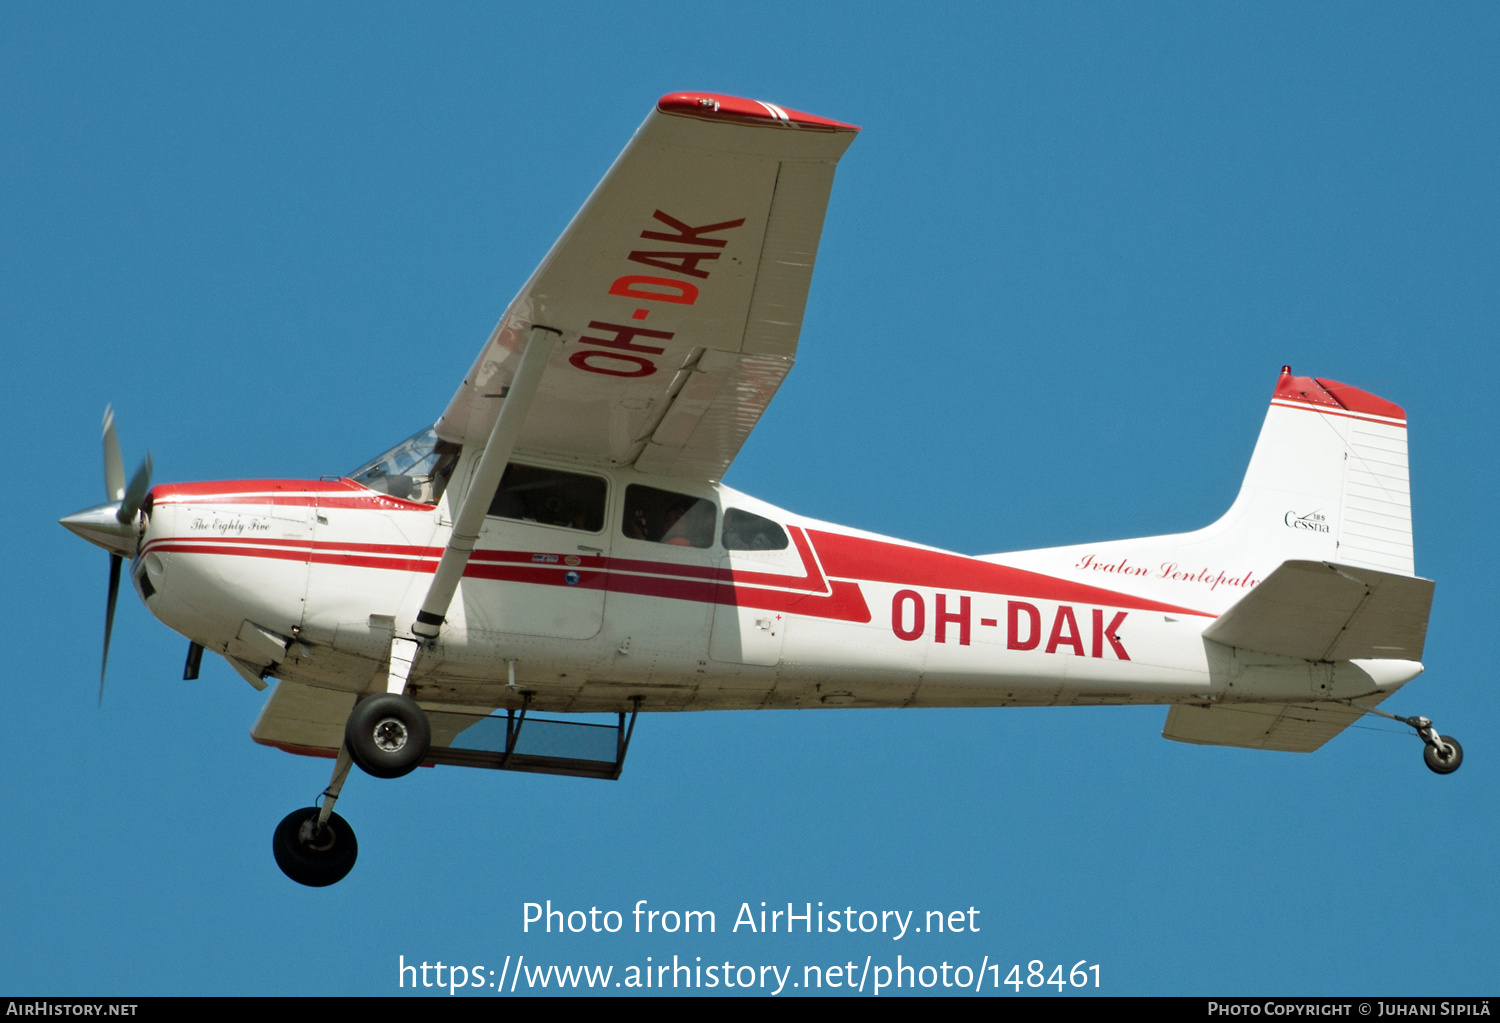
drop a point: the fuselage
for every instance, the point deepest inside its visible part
(593, 618)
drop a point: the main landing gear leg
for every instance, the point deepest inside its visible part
(315, 846)
(335, 784)
(1441, 753)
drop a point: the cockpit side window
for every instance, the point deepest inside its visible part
(662, 516)
(417, 469)
(746, 531)
(550, 497)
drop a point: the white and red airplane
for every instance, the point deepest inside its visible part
(559, 541)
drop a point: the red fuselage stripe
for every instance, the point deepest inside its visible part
(855, 559)
(341, 493)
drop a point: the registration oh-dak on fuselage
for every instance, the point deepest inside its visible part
(559, 542)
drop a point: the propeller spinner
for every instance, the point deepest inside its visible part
(112, 525)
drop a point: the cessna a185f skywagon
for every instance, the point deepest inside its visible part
(559, 542)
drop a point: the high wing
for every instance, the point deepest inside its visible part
(678, 290)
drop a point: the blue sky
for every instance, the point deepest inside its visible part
(1062, 266)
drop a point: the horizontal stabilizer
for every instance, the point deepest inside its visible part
(1321, 611)
(1293, 727)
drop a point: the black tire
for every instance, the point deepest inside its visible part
(387, 735)
(1444, 765)
(315, 858)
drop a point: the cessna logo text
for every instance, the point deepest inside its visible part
(1312, 521)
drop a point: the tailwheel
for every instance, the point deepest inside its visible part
(387, 735)
(312, 854)
(1443, 755)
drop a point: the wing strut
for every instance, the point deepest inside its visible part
(470, 518)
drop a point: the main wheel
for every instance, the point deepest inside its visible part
(387, 735)
(310, 855)
(1441, 764)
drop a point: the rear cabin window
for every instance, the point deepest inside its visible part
(746, 531)
(550, 497)
(662, 516)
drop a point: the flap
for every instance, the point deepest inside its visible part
(303, 719)
(1321, 611)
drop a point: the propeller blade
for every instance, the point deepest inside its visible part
(114, 466)
(109, 617)
(136, 492)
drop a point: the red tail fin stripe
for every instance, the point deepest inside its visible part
(1326, 411)
(1327, 395)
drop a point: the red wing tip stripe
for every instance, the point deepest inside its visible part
(720, 107)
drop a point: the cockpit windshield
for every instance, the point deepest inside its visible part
(417, 469)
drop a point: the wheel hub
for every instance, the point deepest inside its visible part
(315, 837)
(391, 735)
(387, 735)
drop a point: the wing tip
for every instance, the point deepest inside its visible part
(714, 106)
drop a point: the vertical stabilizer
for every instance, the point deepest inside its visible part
(1336, 456)
(1327, 482)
